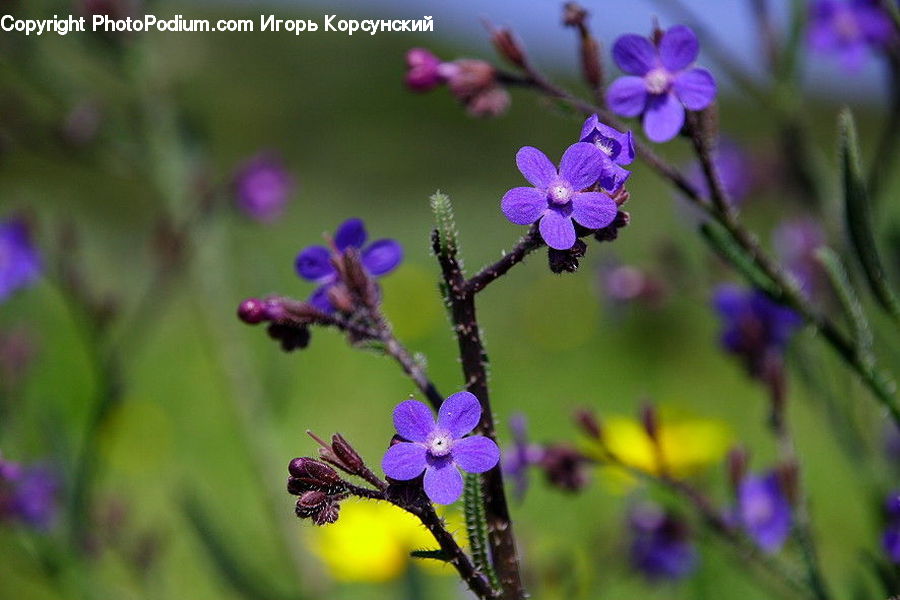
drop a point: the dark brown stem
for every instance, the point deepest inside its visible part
(474, 365)
(412, 368)
(530, 242)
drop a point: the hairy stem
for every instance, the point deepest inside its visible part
(530, 242)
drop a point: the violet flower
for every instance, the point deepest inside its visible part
(660, 83)
(262, 187)
(754, 327)
(439, 449)
(426, 71)
(28, 494)
(796, 242)
(733, 167)
(890, 540)
(661, 548)
(557, 197)
(20, 263)
(314, 262)
(848, 30)
(764, 511)
(520, 456)
(616, 149)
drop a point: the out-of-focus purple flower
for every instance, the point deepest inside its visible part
(660, 83)
(20, 262)
(626, 284)
(754, 327)
(661, 548)
(28, 494)
(796, 242)
(890, 540)
(262, 187)
(557, 197)
(426, 71)
(848, 30)
(616, 149)
(520, 456)
(314, 262)
(439, 449)
(472, 82)
(764, 511)
(735, 173)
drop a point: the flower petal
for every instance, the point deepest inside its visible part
(627, 96)
(589, 125)
(678, 48)
(413, 420)
(664, 118)
(557, 230)
(535, 166)
(613, 176)
(314, 264)
(404, 461)
(634, 54)
(476, 454)
(696, 88)
(581, 165)
(459, 414)
(524, 205)
(382, 257)
(319, 299)
(350, 233)
(443, 482)
(593, 210)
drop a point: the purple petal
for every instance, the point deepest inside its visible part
(678, 48)
(593, 209)
(664, 118)
(581, 165)
(319, 299)
(634, 54)
(382, 257)
(476, 454)
(443, 482)
(404, 461)
(535, 166)
(589, 125)
(729, 300)
(696, 88)
(613, 177)
(627, 96)
(459, 414)
(524, 205)
(413, 420)
(557, 230)
(350, 233)
(314, 264)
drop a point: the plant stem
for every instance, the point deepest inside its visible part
(474, 362)
(530, 242)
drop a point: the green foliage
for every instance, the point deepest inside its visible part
(850, 304)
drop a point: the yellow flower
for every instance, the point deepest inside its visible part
(371, 542)
(688, 446)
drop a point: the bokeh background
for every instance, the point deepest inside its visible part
(187, 499)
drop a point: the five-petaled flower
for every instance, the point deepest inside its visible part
(20, 263)
(439, 449)
(314, 263)
(557, 197)
(660, 83)
(616, 149)
(764, 511)
(849, 30)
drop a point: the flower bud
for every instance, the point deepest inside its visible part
(347, 454)
(424, 70)
(650, 421)
(564, 467)
(492, 102)
(340, 298)
(589, 423)
(314, 472)
(566, 261)
(508, 45)
(471, 77)
(252, 311)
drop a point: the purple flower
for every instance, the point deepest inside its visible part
(661, 547)
(734, 171)
(20, 263)
(439, 449)
(28, 494)
(616, 149)
(848, 30)
(262, 187)
(314, 262)
(796, 243)
(522, 455)
(557, 197)
(891, 538)
(754, 327)
(660, 84)
(764, 511)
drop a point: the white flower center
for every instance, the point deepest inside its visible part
(604, 145)
(559, 193)
(440, 443)
(657, 81)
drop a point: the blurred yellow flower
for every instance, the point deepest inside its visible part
(371, 542)
(688, 446)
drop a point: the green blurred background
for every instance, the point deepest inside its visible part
(213, 410)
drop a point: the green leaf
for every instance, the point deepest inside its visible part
(477, 527)
(850, 304)
(859, 218)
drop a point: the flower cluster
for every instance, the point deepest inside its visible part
(20, 262)
(262, 186)
(764, 510)
(320, 490)
(661, 545)
(473, 82)
(439, 449)
(849, 29)
(28, 494)
(660, 82)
